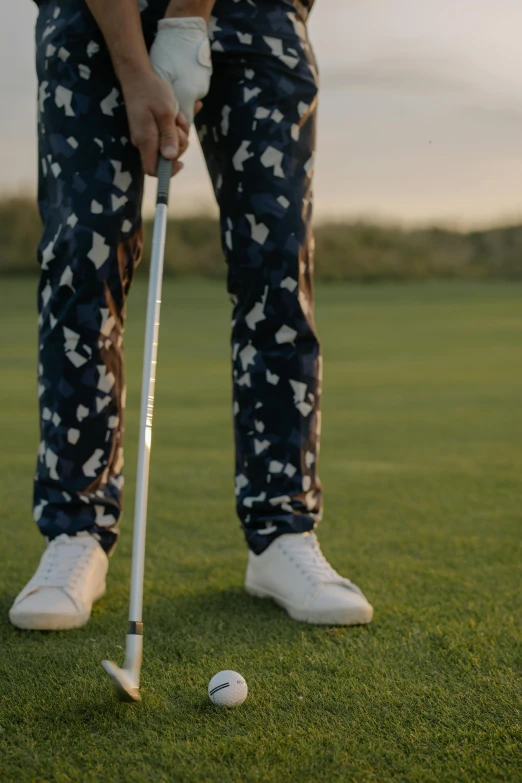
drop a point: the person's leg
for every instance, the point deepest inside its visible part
(90, 191)
(257, 130)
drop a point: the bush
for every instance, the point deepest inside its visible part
(20, 229)
(345, 251)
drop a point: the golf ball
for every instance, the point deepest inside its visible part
(227, 689)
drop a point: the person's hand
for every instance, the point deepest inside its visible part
(180, 54)
(151, 110)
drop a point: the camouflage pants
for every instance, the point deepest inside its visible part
(257, 131)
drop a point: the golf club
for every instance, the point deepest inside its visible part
(127, 680)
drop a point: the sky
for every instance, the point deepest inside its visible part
(420, 113)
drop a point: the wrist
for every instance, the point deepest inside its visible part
(129, 69)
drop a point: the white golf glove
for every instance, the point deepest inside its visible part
(180, 54)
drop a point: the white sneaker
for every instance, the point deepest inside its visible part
(70, 577)
(294, 572)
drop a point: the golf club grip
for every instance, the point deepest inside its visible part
(164, 175)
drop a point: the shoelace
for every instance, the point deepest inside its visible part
(306, 553)
(63, 561)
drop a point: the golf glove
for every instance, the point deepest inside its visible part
(180, 54)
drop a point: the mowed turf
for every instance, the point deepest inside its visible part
(422, 469)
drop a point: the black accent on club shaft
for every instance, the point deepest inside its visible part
(164, 174)
(135, 629)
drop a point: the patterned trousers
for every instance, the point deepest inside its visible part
(257, 132)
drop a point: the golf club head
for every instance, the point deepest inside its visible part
(126, 688)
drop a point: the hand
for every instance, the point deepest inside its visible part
(151, 110)
(180, 54)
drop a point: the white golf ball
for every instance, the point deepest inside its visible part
(227, 689)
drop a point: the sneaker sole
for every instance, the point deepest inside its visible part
(358, 615)
(52, 622)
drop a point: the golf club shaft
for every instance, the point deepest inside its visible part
(147, 401)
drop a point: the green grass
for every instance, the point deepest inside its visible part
(422, 466)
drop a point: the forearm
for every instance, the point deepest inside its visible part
(201, 8)
(120, 23)
(160, 91)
